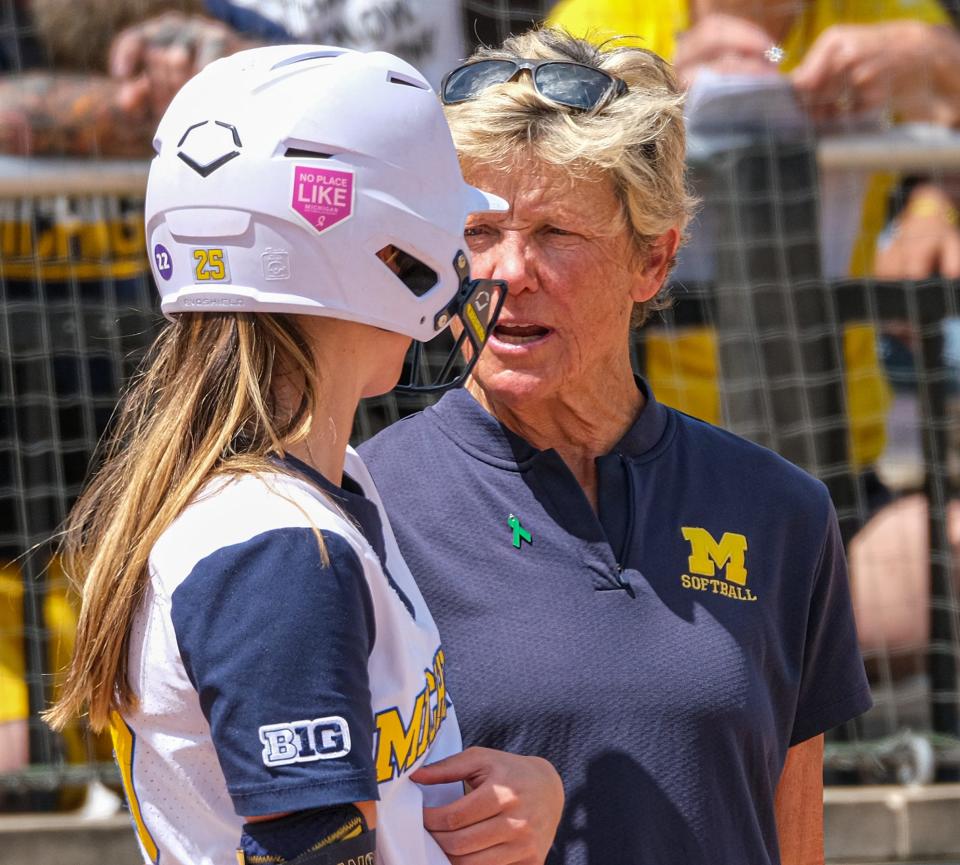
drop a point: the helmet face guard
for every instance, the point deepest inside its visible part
(447, 360)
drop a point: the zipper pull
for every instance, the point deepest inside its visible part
(624, 584)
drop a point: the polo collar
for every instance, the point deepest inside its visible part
(478, 432)
(349, 497)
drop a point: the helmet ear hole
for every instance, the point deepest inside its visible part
(418, 277)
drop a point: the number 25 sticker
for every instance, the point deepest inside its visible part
(210, 265)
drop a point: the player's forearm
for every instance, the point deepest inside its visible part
(320, 836)
(52, 114)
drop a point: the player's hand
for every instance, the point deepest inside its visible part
(510, 815)
(926, 239)
(724, 43)
(155, 58)
(853, 68)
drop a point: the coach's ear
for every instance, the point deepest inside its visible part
(657, 262)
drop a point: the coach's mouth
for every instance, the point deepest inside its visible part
(517, 333)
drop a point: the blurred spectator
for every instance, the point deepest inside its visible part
(57, 98)
(153, 59)
(61, 103)
(899, 57)
(77, 35)
(64, 114)
(890, 576)
(924, 237)
(851, 68)
(836, 54)
(839, 57)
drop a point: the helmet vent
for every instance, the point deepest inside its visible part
(304, 153)
(399, 78)
(413, 273)
(320, 54)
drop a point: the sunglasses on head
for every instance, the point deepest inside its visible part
(563, 81)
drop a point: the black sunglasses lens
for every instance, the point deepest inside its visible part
(572, 84)
(469, 81)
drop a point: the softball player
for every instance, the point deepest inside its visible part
(249, 630)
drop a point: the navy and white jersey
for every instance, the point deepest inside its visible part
(664, 652)
(272, 676)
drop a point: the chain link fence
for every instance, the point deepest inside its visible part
(853, 379)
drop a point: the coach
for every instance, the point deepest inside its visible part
(654, 605)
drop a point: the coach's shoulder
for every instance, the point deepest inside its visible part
(750, 470)
(405, 437)
(409, 455)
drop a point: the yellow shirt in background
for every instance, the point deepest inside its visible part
(655, 24)
(683, 367)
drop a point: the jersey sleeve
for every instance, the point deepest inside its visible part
(276, 642)
(833, 683)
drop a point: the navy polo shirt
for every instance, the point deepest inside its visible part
(663, 653)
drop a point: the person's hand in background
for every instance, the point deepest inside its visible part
(724, 43)
(155, 58)
(925, 238)
(895, 66)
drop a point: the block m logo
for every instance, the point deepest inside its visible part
(706, 554)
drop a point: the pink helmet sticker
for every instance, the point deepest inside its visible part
(322, 196)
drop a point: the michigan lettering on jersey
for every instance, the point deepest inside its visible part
(401, 741)
(707, 556)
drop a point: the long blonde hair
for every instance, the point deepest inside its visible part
(201, 404)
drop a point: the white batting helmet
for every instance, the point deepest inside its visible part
(284, 177)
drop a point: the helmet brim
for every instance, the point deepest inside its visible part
(479, 201)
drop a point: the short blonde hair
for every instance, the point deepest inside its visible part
(636, 139)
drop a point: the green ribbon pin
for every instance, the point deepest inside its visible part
(520, 534)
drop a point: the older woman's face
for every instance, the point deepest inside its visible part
(573, 273)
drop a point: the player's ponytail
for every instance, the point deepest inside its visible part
(201, 404)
